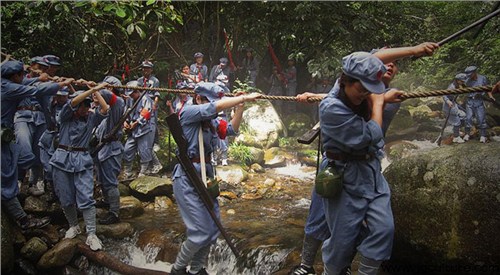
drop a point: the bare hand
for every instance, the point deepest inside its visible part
(425, 49)
(251, 97)
(450, 104)
(44, 77)
(67, 81)
(304, 97)
(496, 88)
(393, 96)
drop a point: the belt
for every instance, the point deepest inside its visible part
(348, 157)
(198, 160)
(71, 148)
(28, 108)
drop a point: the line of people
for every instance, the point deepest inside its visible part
(460, 113)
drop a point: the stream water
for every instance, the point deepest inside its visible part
(265, 230)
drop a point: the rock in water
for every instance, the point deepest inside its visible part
(130, 207)
(445, 203)
(232, 174)
(261, 125)
(152, 186)
(34, 249)
(59, 255)
(117, 230)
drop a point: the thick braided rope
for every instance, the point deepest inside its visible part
(319, 98)
(448, 92)
(191, 91)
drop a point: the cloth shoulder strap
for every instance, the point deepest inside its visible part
(202, 157)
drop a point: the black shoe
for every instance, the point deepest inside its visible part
(178, 272)
(101, 204)
(111, 218)
(201, 272)
(302, 270)
(29, 222)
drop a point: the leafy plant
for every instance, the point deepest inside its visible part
(240, 152)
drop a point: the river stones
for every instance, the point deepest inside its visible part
(117, 230)
(59, 255)
(152, 186)
(34, 249)
(130, 207)
(232, 174)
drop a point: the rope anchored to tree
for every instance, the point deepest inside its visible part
(319, 97)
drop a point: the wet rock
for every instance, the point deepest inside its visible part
(130, 207)
(261, 125)
(156, 239)
(7, 251)
(34, 249)
(297, 123)
(251, 196)
(257, 168)
(420, 113)
(231, 212)
(35, 205)
(117, 230)
(445, 204)
(60, 255)
(257, 155)
(232, 174)
(124, 190)
(228, 195)
(152, 186)
(276, 157)
(163, 202)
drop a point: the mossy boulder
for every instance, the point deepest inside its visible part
(261, 125)
(445, 203)
(130, 207)
(34, 249)
(276, 157)
(152, 186)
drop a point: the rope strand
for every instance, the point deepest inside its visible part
(319, 98)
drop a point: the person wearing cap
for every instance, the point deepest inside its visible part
(198, 69)
(38, 65)
(455, 113)
(316, 229)
(250, 65)
(54, 64)
(72, 165)
(109, 158)
(12, 92)
(30, 124)
(195, 119)
(140, 130)
(181, 100)
(221, 72)
(475, 104)
(148, 80)
(47, 143)
(354, 107)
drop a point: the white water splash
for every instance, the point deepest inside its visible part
(298, 171)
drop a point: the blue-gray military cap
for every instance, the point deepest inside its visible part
(12, 67)
(367, 68)
(52, 60)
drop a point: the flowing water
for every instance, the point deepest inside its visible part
(265, 230)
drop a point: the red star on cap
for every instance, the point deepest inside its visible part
(379, 75)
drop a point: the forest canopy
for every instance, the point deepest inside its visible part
(95, 38)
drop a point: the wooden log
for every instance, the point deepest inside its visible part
(104, 259)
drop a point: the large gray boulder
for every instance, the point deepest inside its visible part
(446, 205)
(232, 174)
(261, 125)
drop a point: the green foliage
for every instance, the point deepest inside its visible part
(240, 152)
(92, 36)
(284, 141)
